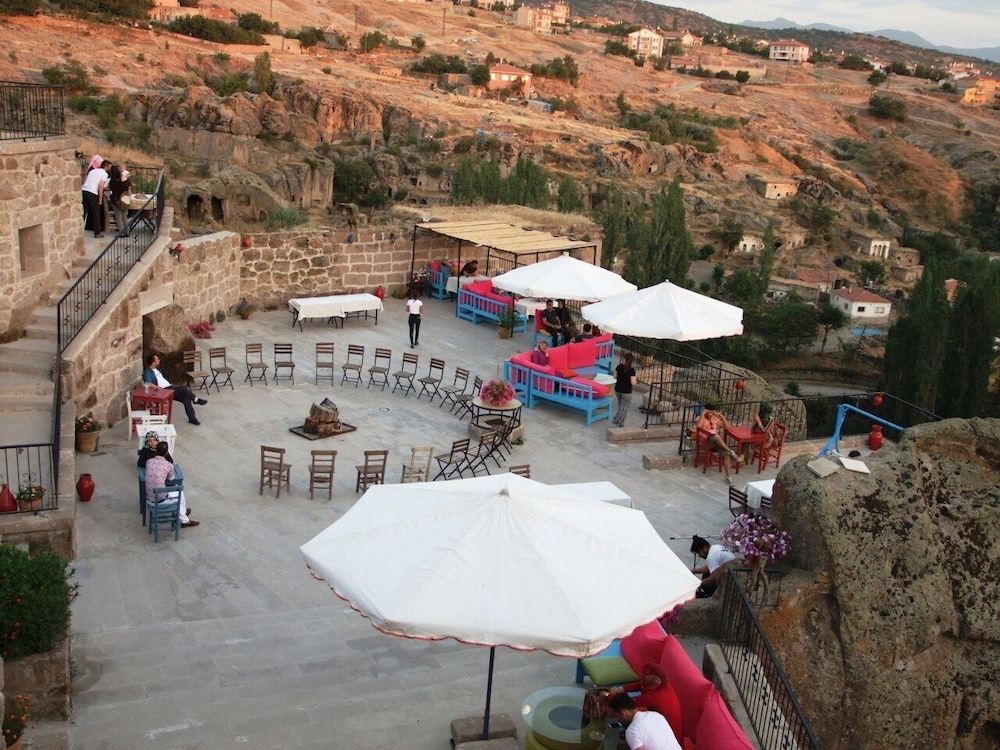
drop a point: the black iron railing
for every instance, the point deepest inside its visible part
(31, 110)
(770, 702)
(90, 291)
(33, 464)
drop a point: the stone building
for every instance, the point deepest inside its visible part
(645, 43)
(870, 244)
(905, 265)
(774, 188)
(858, 303)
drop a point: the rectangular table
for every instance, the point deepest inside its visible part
(153, 399)
(334, 306)
(745, 439)
(528, 306)
(759, 491)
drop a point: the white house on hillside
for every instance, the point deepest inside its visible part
(646, 43)
(789, 50)
(857, 303)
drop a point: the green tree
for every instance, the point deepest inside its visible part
(729, 233)
(787, 326)
(742, 76)
(352, 179)
(262, 73)
(569, 199)
(418, 43)
(877, 78)
(832, 319)
(742, 287)
(973, 328)
(19, 7)
(873, 273)
(915, 348)
(887, 107)
(372, 40)
(480, 75)
(526, 185)
(614, 223)
(256, 22)
(463, 186)
(855, 62)
(660, 246)
(489, 183)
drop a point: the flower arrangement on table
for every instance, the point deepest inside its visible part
(497, 392)
(758, 541)
(88, 424)
(15, 718)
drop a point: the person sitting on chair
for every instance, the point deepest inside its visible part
(586, 333)
(763, 422)
(181, 392)
(551, 322)
(714, 423)
(471, 268)
(539, 355)
(159, 472)
(716, 558)
(148, 450)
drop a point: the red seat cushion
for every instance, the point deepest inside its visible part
(582, 354)
(599, 391)
(643, 645)
(718, 729)
(691, 686)
(664, 700)
(558, 357)
(483, 288)
(435, 266)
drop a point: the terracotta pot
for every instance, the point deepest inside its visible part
(85, 487)
(17, 744)
(505, 333)
(875, 437)
(31, 505)
(7, 502)
(86, 442)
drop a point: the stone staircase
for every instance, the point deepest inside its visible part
(26, 366)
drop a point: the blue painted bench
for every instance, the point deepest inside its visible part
(478, 301)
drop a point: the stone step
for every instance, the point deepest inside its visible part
(34, 351)
(22, 384)
(25, 427)
(10, 404)
(41, 329)
(15, 364)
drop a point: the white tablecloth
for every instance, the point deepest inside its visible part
(757, 490)
(453, 281)
(334, 306)
(528, 306)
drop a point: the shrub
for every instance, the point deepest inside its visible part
(72, 75)
(35, 598)
(220, 316)
(202, 329)
(15, 719)
(285, 218)
(887, 107)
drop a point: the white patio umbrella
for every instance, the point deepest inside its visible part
(564, 277)
(499, 561)
(666, 311)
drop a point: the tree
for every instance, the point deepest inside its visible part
(262, 73)
(463, 186)
(480, 75)
(915, 348)
(418, 43)
(352, 179)
(742, 288)
(742, 76)
(873, 273)
(256, 22)
(660, 246)
(527, 184)
(569, 198)
(877, 78)
(787, 326)
(832, 319)
(729, 233)
(855, 62)
(19, 7)
(887, 107)
(614, 223)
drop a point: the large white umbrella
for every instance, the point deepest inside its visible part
(666, 311)
(499, 560)
(564, 277)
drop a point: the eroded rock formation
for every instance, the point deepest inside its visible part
(894, 642)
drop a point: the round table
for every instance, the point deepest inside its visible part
(487, 417)
(554, 716)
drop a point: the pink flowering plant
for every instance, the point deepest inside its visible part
(497, 392)
(756, 539)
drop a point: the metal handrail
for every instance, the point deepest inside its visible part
(31, 110)
(767, 695)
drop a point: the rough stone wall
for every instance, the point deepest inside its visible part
(41, 187)
(894, 641)
(282, 265)
(207, 276)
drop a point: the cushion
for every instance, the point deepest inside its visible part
(558, 358)
(609, 670)
(567, 373)
(582, 354)
(602, 338)
(479, 287)
(524, 358)
(690, 684)
(718, 729)
(644, 644)
(435, 266)
(599, 391)
(664, 700)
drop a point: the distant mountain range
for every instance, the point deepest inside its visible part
(904, 37)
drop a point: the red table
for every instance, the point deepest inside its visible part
(156, 400)
(745, 438)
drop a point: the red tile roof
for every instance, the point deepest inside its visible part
(858, 294)
(788, 43)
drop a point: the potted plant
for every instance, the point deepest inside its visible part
(497, 392)
(88, 432)
(15, 719)
(505, 324)
(29, 496)
(243, 309)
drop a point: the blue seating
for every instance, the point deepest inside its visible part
(164, 509)
(438, 281)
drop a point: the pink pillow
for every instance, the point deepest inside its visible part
(643, 645)
(435, 266)
(599, 391)
(718, 729)
(557, 358)
(599, 339)
(664, 700)
(524, 358)
(582, 354)
(691, 686)
(480, 287)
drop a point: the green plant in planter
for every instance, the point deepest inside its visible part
(27, 493)
(15, 718)
(507, 318)
(35, 598)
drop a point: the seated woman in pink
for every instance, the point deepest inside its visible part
(538, 355)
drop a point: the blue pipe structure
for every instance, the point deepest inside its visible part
(832, 445)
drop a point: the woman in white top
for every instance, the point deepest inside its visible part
(413, 306)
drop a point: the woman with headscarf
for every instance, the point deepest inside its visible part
(120, 185)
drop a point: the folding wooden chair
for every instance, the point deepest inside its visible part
(477, 457)
(321, 471)
(378, 373)
(352, 367)
(283, 361)
(449, 392)
(429, 383)
(273, 469)
(419, 467)
(765, 455)
(451, 463)
(738, 502)
(164, 510)
(324, 360)
(220, 368)
(256, 366)
(463, 401)
(372, 471)
(404, 377)
(522, 470)
(197, 376)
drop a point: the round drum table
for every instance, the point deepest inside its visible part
(554, 716)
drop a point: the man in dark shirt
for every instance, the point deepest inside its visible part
(551, 322)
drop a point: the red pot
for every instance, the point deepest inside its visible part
(877, 400)
(7, 502)
(85, 487)
(875, 437)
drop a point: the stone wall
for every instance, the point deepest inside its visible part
(40, 219)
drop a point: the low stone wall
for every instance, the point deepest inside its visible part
(44, 679)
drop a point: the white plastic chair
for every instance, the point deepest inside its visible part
(158, 423)
(135, 417)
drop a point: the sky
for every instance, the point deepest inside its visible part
(957, 23)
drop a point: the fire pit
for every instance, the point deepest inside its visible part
(323, 421)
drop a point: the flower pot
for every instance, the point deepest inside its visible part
(505, 333)
(85, 487)
(7, 502)
(86, 442)
(31, 505)
(16, 745)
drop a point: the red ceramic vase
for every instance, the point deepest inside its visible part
(85, 487)
(875, 437)
(7, 502)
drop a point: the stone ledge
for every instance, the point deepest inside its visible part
(638, 434)
(468, 732)
(501, 743)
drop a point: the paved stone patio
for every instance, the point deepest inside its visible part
(224, 640)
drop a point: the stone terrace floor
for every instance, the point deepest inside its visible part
(223, 640)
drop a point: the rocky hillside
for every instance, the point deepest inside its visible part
(809, 122)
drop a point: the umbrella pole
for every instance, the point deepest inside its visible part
(489, 694)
